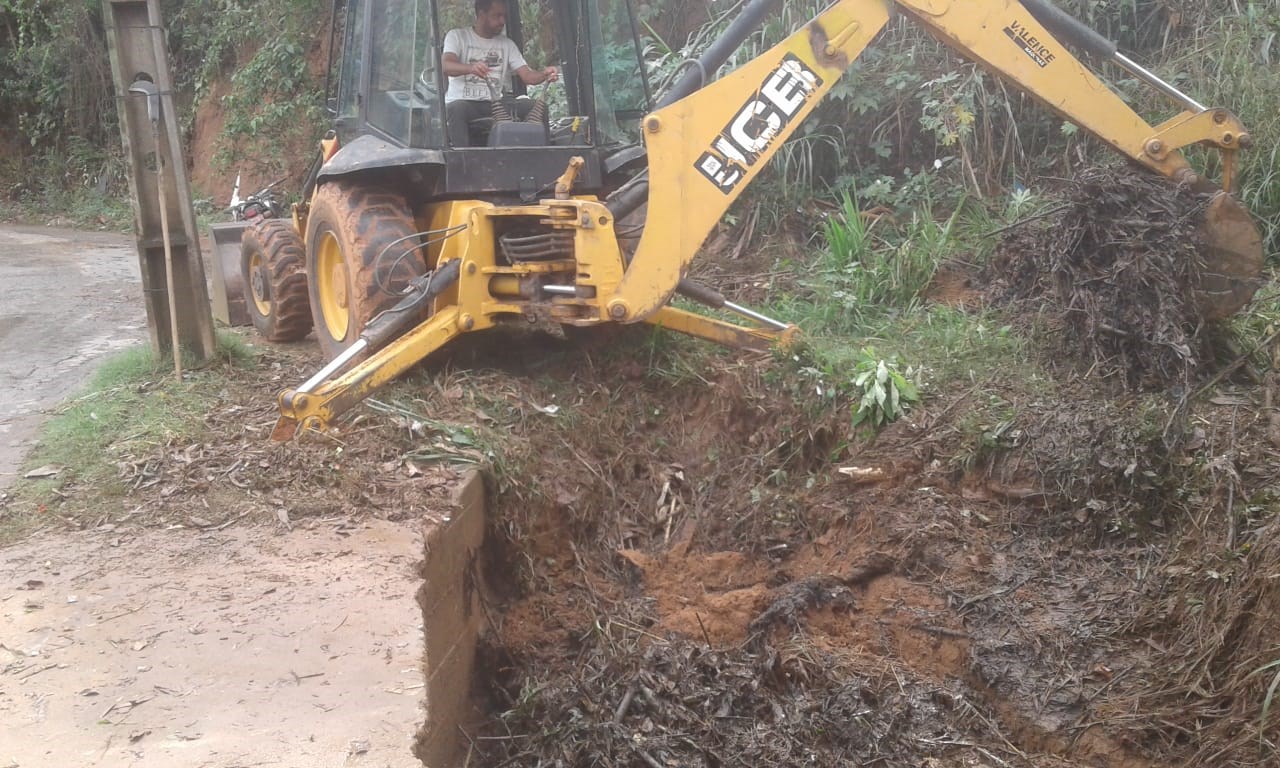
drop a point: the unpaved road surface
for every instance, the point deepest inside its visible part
(66, 299)
(268, 645)
(240, 647)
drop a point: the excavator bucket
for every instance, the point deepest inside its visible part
(228, 284)
(1232, 260)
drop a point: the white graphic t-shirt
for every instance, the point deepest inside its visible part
(499, 53)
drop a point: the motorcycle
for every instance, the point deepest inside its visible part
(263, 204)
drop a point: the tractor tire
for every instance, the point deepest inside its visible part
(273, 266)
(360, 255)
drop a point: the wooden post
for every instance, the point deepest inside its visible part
(136, 43)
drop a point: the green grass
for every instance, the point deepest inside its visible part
(1271, 668)
(941, 345)
(864, 289)
(1253, 327)
(860, 271)
(79, 207)
(132, 404)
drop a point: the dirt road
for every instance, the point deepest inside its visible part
(239, 647)
(68, 298)
(282, 644)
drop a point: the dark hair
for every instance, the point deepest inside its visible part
(483, 6)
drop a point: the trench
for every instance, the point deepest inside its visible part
(701, 599)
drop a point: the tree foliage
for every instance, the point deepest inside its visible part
(911, 122)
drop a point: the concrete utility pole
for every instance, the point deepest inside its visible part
(174, 289)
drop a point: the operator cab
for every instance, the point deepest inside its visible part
(391, 86)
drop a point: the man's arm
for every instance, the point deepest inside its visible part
(530, 76)
(455, 67)
(451, 62)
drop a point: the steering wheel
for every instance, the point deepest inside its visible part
(426, 87)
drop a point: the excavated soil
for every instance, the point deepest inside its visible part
(1117, 264)
(707, 587)
(747, 604)
(712, 568)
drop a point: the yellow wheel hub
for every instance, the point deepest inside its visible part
(258, 284)
(331, 272)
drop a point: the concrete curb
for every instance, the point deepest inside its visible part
(452, 622)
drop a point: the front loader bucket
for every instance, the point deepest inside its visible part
(228, 284)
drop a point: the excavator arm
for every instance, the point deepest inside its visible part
(706, 142)
(706, 148)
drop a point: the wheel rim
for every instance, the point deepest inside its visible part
(331, 276)
(259, 285)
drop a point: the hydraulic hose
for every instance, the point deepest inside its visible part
(634, 193)
(716, 54)
(1070, 29)
(1076, 33)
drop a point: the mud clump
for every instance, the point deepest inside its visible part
(1119, 264)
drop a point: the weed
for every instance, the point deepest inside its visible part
(1253, 328)
(75, 206)
(130, 397)
(442, 442)
(1230, 79)
(886, 391)
(859, 271)
(986, 426)
(233, 351)
(868, 283)
(1269, 699)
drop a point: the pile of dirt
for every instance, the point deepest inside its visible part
(1216, 620)
(1211, 605)
(1118, 262)
(632, 700)
(1083, 461)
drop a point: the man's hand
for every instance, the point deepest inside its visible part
(480, 70)
(551, 74)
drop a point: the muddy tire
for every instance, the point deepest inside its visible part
(356, 265)
(273, 265)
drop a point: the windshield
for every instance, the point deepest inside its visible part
(393, 52)
(621, 94)
(404, 98)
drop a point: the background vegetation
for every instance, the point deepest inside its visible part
(911, 124)
(916, 158)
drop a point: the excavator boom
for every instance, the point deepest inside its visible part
(706, 148)
(705, 144)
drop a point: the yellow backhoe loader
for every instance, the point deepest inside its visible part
(405, 242)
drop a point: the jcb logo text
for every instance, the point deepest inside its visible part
(755, 126)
